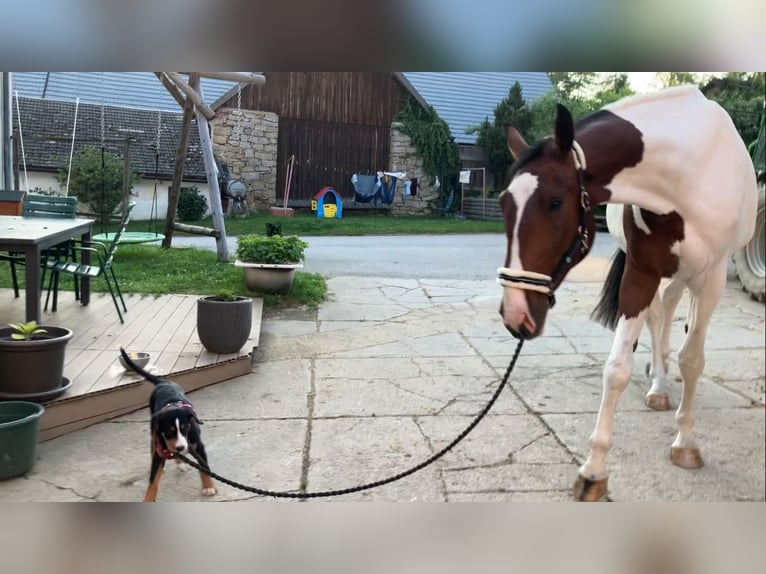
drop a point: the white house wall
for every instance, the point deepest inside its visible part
(142, 193)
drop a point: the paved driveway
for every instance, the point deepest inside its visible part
(400, 359)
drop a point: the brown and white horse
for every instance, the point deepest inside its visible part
(682, 193)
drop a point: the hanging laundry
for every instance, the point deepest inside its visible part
(407, 191)
(388, 189)
(366, 188)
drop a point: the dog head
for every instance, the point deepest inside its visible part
(175, 428)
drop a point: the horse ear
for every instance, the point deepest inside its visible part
(564, 129)
(516, 143)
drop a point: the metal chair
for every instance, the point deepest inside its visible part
(56, 207)
(103, 254)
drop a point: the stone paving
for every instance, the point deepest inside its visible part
(389, 371)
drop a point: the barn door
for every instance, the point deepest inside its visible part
(327, 154)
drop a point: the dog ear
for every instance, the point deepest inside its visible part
(155, 422)
(199, 422)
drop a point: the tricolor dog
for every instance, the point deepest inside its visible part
(175, 429)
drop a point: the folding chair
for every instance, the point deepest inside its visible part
(58, 207)
(105, 268)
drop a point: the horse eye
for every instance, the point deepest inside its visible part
(555, 205)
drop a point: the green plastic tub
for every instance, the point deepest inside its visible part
(18, 437)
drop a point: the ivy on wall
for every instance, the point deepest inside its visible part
(431, 137)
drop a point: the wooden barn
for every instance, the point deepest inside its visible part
(334, 123)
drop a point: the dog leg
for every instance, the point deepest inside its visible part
(208, 487)
(158, 463)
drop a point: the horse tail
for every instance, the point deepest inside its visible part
(606, 309)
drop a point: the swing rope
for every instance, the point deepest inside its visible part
(103, 160)
(155, 211)
(71, 151)
(21, 140)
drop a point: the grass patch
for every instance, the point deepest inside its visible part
(151, 270)
(308, 224)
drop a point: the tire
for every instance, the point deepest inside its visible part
(749, 260)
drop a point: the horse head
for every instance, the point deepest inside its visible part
(549, 224)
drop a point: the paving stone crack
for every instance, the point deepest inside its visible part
(93, 498)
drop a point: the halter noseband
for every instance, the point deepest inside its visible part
(540, 282)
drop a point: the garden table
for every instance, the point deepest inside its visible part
(30, 236)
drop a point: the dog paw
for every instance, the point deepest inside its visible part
(209, 491)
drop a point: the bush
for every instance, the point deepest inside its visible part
(275, 250)
(191, 205)
(95, 184)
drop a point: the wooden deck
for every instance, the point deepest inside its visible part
(163, 326)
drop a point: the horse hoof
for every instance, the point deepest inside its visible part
(658, 402)
(586, 490)
(688, 458)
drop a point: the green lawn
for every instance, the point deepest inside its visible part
(307, 224)
(151, 270)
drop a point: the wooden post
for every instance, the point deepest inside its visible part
(178, 174)
(239, 77)
(212, 179)
(202, 107)
(170, 87)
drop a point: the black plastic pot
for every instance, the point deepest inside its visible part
(33, 370)
(224, 326)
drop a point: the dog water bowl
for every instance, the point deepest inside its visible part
(140, 359)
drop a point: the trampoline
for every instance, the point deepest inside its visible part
(130, 237)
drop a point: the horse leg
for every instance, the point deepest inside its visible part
(660, 321)
(591, 484)
(705, 292)
(657, 397)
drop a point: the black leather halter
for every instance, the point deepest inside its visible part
(580, 246)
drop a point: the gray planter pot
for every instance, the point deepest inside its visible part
(33, 370)
(269, 278)
(224, 326)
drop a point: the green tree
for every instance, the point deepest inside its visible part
(492, 136)
(741, 94)
(572, 85)
(670, 79)
(543, 113)
(612, 88)
(95, 184)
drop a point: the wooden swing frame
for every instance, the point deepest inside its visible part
(188, 94)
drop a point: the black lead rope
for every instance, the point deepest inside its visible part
(369, 485)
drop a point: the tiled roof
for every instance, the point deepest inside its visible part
(126, 89)
(54, 119)
(464, 99)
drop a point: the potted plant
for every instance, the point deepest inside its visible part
(32, 361)
(224, 321)
(270, 262)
